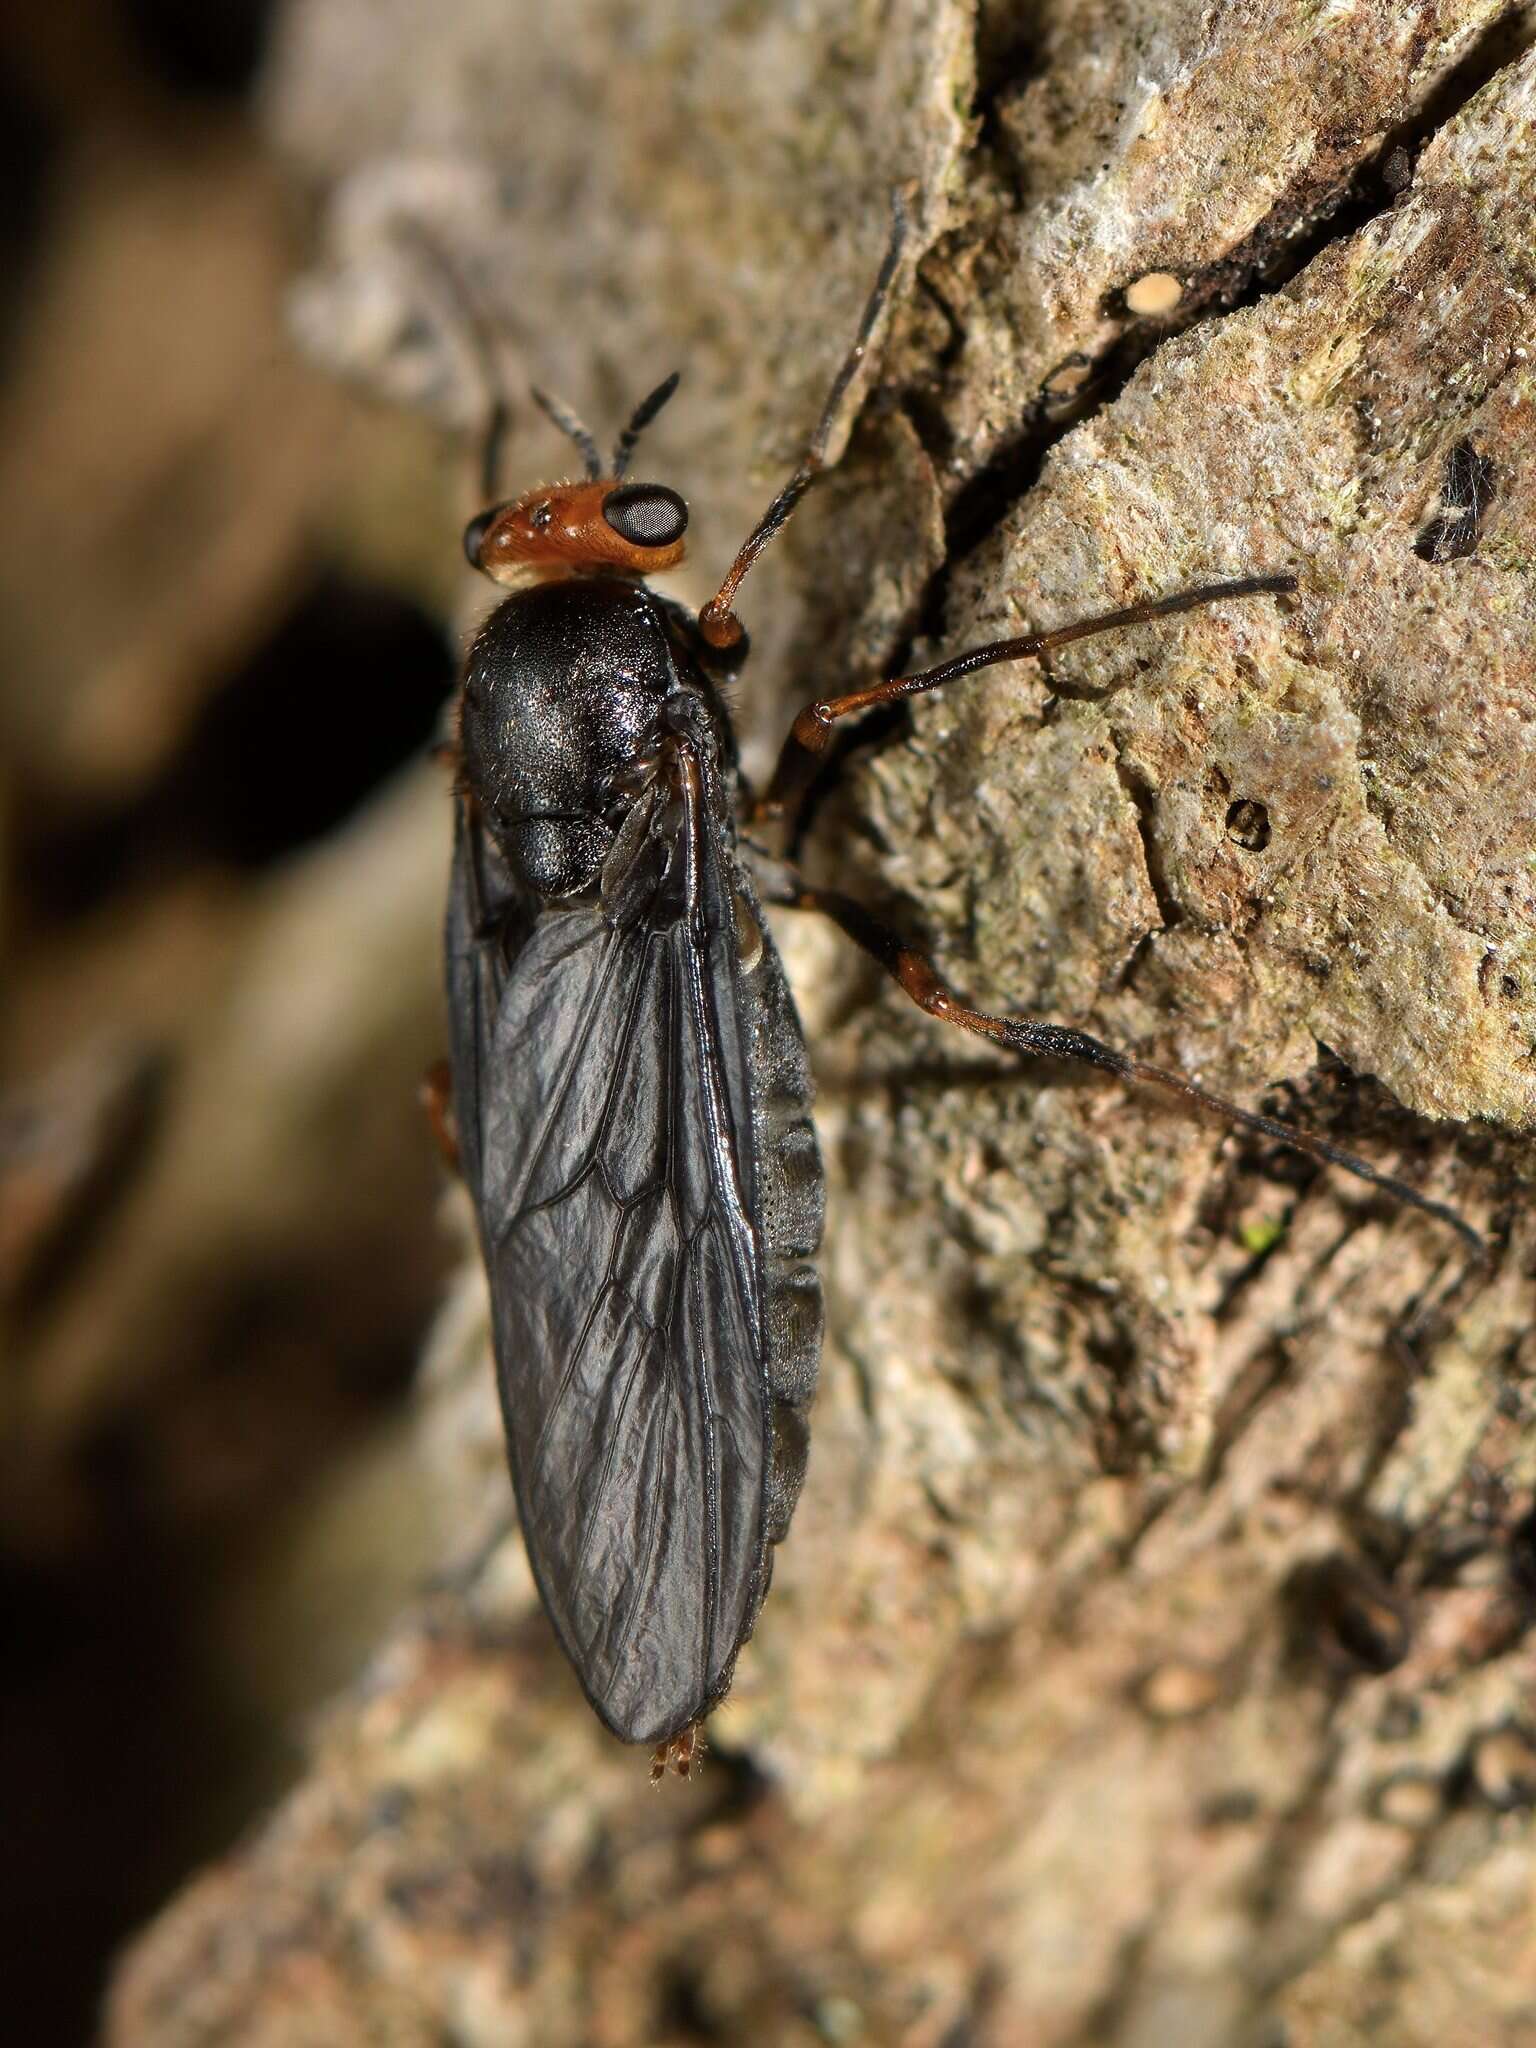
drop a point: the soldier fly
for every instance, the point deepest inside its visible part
(630, 1089)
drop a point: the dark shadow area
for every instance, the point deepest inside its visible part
(143, 1516)
(348, 687)
(209, 52)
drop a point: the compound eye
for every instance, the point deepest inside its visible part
(646, 515)
(475, 533)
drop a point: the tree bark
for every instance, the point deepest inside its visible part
(1150, 1660)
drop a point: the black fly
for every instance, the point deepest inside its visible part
(1465, 495)
(630, 1089)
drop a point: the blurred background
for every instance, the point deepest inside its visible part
(223, 651)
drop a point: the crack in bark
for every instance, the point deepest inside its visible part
(1304, 224)
(1143, 801)
(1274, 254)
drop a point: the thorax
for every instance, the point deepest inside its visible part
(563, 693)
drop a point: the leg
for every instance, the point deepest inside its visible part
(718, 622)
(472, 325)
(436, 1097)
(1031, 1037)
(682, 1755)
(459, 1580)
(811, 733)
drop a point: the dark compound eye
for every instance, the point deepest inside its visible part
(474, 534)
(646, 515)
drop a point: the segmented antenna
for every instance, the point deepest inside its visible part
(568, 423)
(644, 413)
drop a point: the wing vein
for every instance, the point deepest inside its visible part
(652, 1528)
(574, 1062)
(710, 1445)
(568, 1377)
(589, 1524)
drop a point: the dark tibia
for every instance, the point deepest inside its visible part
(1033, 1038)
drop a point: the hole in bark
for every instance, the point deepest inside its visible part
(1248, 824)
(1343, 1615)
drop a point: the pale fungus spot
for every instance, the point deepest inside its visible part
(1155, 295)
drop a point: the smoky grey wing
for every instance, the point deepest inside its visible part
(614, 1181)
(489, 920)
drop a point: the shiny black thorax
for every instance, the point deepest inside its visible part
(564, 693)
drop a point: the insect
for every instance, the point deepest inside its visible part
(629, 1080)
(1465, 495)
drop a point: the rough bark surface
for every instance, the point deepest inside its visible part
(1151, 1658)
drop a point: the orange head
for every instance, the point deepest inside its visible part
(565, 529)
(570, 529)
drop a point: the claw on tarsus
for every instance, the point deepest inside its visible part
(682, 1755)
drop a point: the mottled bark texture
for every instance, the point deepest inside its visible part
(1150, 1660)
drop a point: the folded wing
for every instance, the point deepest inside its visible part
(602, 1086)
